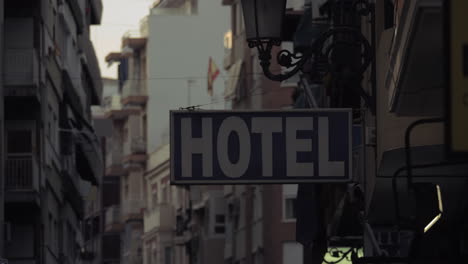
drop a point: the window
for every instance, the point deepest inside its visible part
(148, 254)
(125, 135)
(220, 224)
(56, 236)
(292, 253)
(164, 195)
(154, 196)
(168, 255)
(19, 141)
(258, 258)
(145, 128)
(126, 188)
(258, 205)
(71, 238)
(290, 212)
(51, 229)
(289, 200)
(49, 124)
(155, 253)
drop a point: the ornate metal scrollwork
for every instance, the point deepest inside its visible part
(318, 54)
(319, 57)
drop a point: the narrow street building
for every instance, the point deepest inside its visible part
(53, 156)
(163, 203)
(102, 222)
(126, 153)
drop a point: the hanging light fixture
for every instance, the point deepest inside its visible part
(264, 23)
(263, 19)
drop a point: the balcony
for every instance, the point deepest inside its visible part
(134, 94)
(113, 108)
(132, 209)
(136, 146)
(21, 75)
(160, 218)
(21, 173)
(114, 160)
(113, 219)
(134, 153)
(21, 179)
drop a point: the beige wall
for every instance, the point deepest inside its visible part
(391, 128)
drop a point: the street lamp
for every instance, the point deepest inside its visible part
(263, 24)
(263, 19)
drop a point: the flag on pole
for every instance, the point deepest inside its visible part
(213, 72)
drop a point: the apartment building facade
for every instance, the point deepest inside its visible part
(181, 225)
(126, 152)
(162, 203)
(102, 223)
(53, 156)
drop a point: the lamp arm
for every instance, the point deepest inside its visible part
(284, 58)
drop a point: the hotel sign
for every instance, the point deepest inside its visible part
(261, 147)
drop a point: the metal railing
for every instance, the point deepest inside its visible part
(20, 173)
(138, 145)
(162, 216)
(131, 207)
(23, 67)
(113, 216)
(112, 103)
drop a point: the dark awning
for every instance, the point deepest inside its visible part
(89, 160)
(92, 70)
(77, 14)
(71, 96)
(72, 194)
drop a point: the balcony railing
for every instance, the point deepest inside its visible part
(113, 155)
(112, 103)
(22, 74)
(138, 146)
(161, 217)
(134, 93)
(20, 173)
(132, 209)
(113, 218)
(133, 149)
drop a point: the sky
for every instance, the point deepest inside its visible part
(119, 16)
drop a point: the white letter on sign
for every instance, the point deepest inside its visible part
(190, 146)
(294, 145)
(326, 167)
(237, 125)
(267, 126)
